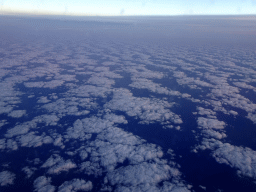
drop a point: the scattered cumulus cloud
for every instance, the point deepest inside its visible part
(241, 158)
(75, 185)
(207, 123)
(6, 178)
(43, 184)
(17, 113)
(57, 165)
(148, 110)
(84, 108)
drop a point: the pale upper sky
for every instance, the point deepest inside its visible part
(129, 7)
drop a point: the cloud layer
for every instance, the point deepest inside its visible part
(92, 115)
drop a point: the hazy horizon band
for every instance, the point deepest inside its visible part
(128, 7)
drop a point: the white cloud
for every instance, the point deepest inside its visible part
(244, 159)
(233, 112)
(213, 134)
(6, 178)
(252, 117)
(29, 171)
(43, 99)
(182, 79)
(113, 145)
(240, 102)
(140, 71)
(47, 119)
(2, 144)
(81, 128)
(65, 77)
(119, 136)
(11, 144)
(144, 173)
(32, 140)
(101, 81)
(207, 123)
(167, 187)
(27, 126)
(208, 112)
(140, 83)
(43, 184)
(8, 96)
(34, 84)
(17, 113)
(41, 84)
(241, 158)
(17, 130)
(75, 185)
(70, 106)
(90, 91)
(229, 95)
(77, 131)
(58, 141)
(57, 165)
(83, 154)
(3, 122)
(52, 161)
(148, 110)
(119, 119)
(243, 85)
(91, 168)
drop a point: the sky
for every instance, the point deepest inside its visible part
(128, 7)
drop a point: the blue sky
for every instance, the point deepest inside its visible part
(129, 7)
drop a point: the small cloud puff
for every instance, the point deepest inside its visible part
(43, 99)
(57, 165)
(17, 113)
(75, 185)
(6, 178)
(43, 184)
(207, 123)
(29, 171)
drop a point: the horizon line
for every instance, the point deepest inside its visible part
(42, 14)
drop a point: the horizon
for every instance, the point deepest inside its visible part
(78, 17)
(128, 8)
